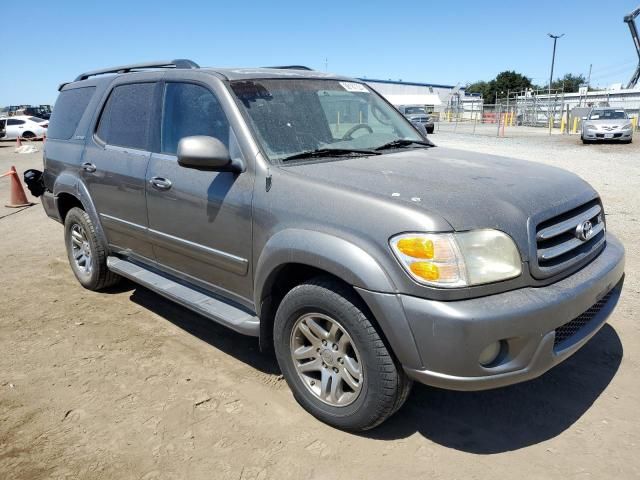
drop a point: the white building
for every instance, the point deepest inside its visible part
(433, 96)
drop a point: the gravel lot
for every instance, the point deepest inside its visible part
(125, 385)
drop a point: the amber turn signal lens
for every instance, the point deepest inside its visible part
(426, 270)
(416, 247)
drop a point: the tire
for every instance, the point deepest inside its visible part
(382, 386)
(28, 135)
(81, 241)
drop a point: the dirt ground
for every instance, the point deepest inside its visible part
(125, 385)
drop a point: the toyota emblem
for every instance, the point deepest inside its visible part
(584, 231)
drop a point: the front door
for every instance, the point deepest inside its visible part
(199, 221)
(115, 163)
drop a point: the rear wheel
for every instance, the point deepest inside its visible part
(334, 360)
(28, 135)
(87, 256)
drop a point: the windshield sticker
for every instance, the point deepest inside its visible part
(354, 87)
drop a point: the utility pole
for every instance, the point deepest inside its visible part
(553, 61)
(553, 57)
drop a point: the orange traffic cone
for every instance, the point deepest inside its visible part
(18, 142)
(18, 196)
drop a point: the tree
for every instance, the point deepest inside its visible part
(507, 81)
(570, 82)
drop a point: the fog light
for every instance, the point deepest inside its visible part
(489, 354)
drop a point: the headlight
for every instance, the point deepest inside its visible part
(452, 260)
(627, 126)
(591, 127)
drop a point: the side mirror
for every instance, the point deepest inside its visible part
(421, 128)
(584, 118)
(205, 153)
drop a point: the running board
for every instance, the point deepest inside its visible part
(214, 309)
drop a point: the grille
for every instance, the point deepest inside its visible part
(615, 135)
(569, 329)
(566, 239)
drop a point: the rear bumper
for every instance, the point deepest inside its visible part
(450, 336)
(50, 204)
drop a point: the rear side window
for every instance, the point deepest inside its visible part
(191, 110)
(13, 121)
(126, 118)
(68, 111)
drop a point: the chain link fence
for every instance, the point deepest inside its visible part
(528, 113)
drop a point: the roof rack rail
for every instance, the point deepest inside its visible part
(178, 63)
(292, 67)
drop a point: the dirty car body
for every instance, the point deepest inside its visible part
(475, 271)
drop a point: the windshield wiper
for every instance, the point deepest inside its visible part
(330, 152)
(404, 143)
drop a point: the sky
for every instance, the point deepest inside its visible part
(422, 41)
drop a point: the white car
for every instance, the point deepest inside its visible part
(22, 126)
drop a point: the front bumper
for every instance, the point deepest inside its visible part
(448, 337)
(617, 135)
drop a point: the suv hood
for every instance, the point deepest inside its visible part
(469, 190)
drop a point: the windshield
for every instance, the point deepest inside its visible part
(291, 117)
(414, 110)
(607, 115)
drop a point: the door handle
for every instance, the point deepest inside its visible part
(88, 167)
(160, 183)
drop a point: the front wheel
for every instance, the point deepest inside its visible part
(333, 358)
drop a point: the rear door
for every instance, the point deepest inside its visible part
(199, 221)
(115, 163)
(14, 128)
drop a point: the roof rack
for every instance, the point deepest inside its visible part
(179, 63)
(292, 67)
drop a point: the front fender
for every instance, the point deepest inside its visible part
(350, 263)
(334, 255)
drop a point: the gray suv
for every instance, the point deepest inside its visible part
(301, 208)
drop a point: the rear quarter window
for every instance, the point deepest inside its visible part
(68, 111)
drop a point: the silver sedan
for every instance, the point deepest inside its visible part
(610, 124)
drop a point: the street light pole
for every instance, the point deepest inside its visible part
(553, 57)
(553, 61)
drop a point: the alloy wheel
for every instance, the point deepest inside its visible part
(326, 359)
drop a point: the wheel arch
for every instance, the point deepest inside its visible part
(293, 256)
(69, 191)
